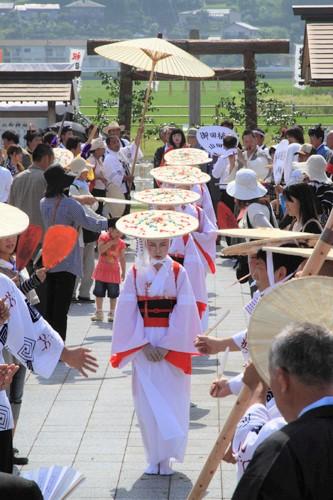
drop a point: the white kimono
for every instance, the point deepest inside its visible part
(204, 237)
(161, 390)
(29, 338)
(205, 201)
(184, 247)
(257, 424)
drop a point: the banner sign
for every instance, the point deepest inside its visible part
(211, 138)
(279, 160)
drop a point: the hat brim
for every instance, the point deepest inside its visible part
(157, 224)
(307, 296)
(242, 193)
(303, 166)
(166, 197)
(13, 221)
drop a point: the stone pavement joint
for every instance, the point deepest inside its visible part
(91, 425)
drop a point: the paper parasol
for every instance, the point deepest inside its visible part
(154, 55)
(13, 221)
(308, 299)
(157, 224)
(62, 156)
(180, 176)
(166, 197)
(186, 156)
(260, 233)
(298, 251)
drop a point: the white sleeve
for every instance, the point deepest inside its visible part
(258, 215)
(220, 168)
(129, 151)
(113, 173)
(26, 334)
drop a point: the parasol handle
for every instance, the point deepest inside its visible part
(220, 447)
(91, 135)
(142, 121)
(321, 249)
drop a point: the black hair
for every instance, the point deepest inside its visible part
(72, 143)
(304, 194)
(227, 124)
(10, 135)
(40, 151)
(317, 132)
(248, 131)
(49, 137)
(297, 133)
(32, 134)
(290, 262)
(112, 222)
(13, 149)
(174, 132)
(272, 150)
(229, 141)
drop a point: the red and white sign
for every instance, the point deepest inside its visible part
(76, 56)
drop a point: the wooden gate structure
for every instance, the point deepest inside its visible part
(198, 47)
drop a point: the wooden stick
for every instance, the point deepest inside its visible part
(91, 135)
(142, 121)
(321, 249)
(240, 280)
(216, 324)
(220, 446)
(224, 361)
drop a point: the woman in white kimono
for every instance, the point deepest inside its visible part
(156, 321)
(28, 337)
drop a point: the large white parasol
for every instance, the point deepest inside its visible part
(156, 56)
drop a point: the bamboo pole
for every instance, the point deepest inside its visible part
(220, 446)
(321, 249)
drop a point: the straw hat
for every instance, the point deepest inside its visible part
(97, 143)
(167, 197)
(79, 165)
(13, 221)
(157, 224)
(263, 236)
(113, 126)
(186, 156)
(305, 149)
(297, 251)
(315, 168)
(308, 299)
(62, 156)
(180, 176)
(245, 186)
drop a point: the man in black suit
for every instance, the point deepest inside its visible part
(159, 153)
(296, 462)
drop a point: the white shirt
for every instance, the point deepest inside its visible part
(116, 162)
(6, 180)
(221, 169)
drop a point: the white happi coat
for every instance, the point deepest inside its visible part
(204, 237)
(257, 424)
(29, 338)
(185, 247)
(161, 391)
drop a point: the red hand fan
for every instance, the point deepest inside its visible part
(58, 243)
(27, 244)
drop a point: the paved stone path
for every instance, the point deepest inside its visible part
(90, 423)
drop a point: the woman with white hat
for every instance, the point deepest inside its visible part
(249, 196)
(156, 321)
(315, 169)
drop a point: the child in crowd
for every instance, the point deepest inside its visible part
(27, 286)
(110, 269)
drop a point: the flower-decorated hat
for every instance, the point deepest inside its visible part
(156, 224)
(180, 176)
(13, 221)
(166, 197)
(186, 156)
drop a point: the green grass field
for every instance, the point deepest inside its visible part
(175, 97)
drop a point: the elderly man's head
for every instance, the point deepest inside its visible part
(113, 143)
(329, 139)
(301, 367)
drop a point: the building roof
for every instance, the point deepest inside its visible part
(7, 6)
(85, 4)
(35, 92)
(246, 26)
(317, 59)
(18, 82)
(37, 6)
(314, 13)
(211, 12)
